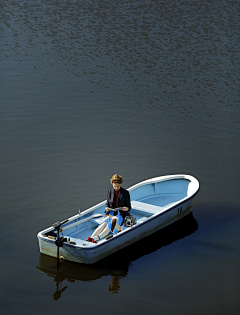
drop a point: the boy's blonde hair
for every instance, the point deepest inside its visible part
(116, 179)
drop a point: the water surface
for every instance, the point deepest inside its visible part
(140, 88)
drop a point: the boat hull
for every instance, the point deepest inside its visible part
(90, 255)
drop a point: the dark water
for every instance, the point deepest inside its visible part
(139, 88)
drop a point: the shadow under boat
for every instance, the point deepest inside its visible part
(121, 260)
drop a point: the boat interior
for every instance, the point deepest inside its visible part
(146, 201)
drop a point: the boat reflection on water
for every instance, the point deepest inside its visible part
(121, 260)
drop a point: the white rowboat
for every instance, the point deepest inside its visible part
(156, 203)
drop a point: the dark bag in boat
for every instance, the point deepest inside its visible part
(130, 220)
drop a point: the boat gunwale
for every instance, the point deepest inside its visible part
(128, 230)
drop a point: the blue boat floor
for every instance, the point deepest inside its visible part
(81, 234)
(141, 210)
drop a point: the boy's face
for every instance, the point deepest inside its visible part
(116, 186)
